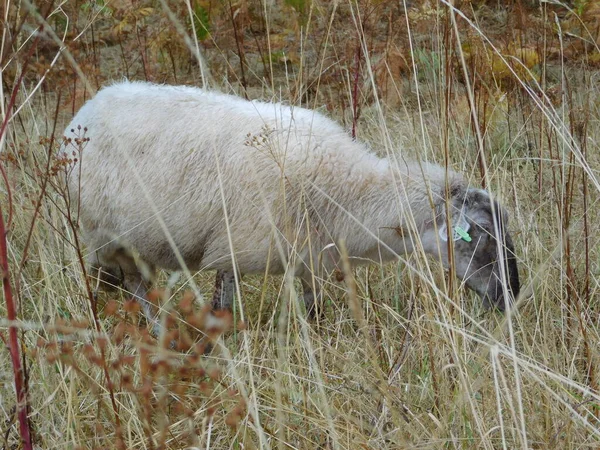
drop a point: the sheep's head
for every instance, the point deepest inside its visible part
(484, 255)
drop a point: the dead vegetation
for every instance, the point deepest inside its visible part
(504, 91)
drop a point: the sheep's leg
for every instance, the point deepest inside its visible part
(222, 296)
(134, 284)
(224, 290)
(104, 277)
(313, 300)
(137, 287)
(107, 277)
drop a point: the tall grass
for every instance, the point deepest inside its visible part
(403, 358)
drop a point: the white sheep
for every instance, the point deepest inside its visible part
(265, 185)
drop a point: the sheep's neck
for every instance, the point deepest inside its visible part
(380, 211)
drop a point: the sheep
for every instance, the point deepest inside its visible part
(170, 174)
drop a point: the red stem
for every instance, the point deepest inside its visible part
(11, 312)
(13, 342)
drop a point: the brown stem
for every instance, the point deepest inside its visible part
(240, 49)
(13, 341)
(11, 104)
(357, 58)
(38, 204)
(11, 310)
(142, 50)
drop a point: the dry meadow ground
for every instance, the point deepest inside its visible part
(506, 92)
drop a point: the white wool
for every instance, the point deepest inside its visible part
(286, 172)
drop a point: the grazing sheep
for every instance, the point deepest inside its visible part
(276, 184)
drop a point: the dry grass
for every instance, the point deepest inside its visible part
(401, 360)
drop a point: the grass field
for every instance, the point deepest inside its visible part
(506, 93)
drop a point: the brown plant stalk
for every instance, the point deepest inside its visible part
(11, 310)
(13, 341)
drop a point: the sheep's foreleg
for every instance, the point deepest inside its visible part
(135, 284)
(105, 278)
(137, 287)
(224, 290)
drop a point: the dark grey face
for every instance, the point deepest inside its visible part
(488, 260)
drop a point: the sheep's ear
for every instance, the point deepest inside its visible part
(481, 210)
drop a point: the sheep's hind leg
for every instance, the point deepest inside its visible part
(313, 300)
(224, 290)
(223, 297)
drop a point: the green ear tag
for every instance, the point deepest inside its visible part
(463, 234)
